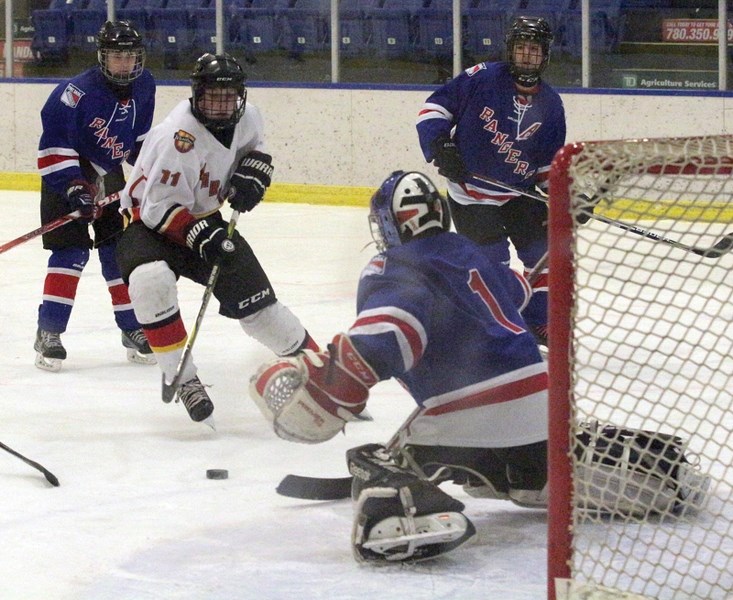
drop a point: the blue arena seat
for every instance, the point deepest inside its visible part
(306, 26)
(85, 24)
(170, 33)
(434, 27)
(203, 21)
(391, 30)
(606, 27)
(51, 37)
(484, 33)
(353, 28)
(256, 30)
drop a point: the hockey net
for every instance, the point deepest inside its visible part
(641, 338)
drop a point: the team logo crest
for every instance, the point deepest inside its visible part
(183, 141)
(71, 95)
(376, 266)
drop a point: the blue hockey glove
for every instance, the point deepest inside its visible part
(80, 196)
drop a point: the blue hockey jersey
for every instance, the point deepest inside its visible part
(445, 320)
(500, 133)
(84, 119)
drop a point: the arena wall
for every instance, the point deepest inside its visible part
(335, 144)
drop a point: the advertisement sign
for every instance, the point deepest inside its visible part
(21, 54)
(669, 80)
(693, 31)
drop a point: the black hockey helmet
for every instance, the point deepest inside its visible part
(406, 205)
(528, 29)
(220, 73)
(120, 36)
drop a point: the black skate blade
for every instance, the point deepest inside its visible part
(315, 488)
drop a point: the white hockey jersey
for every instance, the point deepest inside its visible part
(183, 171)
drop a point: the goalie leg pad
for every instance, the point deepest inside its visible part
(633, 472)
(397, 515)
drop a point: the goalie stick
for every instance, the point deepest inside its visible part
(55, 224)
(339, 488)
(331, 488)
(50, 477)
(721, 247)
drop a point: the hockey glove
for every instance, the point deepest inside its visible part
(80, 196)
(209, 239)
(448, 160)
(309, 398)
(250, 180)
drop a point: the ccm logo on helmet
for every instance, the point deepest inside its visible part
(254, 299)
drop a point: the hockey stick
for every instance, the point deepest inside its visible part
(338, 488)
(332, 488)
(721, 247)
(55, 224)
(50, 477)
(170, 389)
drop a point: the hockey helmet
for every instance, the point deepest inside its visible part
(406, 205)
(528, 29)
(122, 38)
(219, 94)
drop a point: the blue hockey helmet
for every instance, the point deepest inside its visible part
(406, 205)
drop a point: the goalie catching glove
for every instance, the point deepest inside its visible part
(309, 398)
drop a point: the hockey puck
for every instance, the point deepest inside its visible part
(217, 474)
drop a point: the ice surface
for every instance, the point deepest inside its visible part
(135, 516)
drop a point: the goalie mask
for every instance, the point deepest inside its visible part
(218, 92)
(528, 49)
(406, 205)
(120, 52)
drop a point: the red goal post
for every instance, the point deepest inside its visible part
(641, 338)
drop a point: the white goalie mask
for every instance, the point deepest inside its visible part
(406, 205)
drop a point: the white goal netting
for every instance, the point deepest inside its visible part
(641, 338)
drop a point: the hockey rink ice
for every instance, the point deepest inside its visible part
(135, 516)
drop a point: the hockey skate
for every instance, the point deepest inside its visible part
(138, 349)
(197, 402)
(50, 352)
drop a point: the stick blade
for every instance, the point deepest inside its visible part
(315, 488)
(722, 247)
(51, 478)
